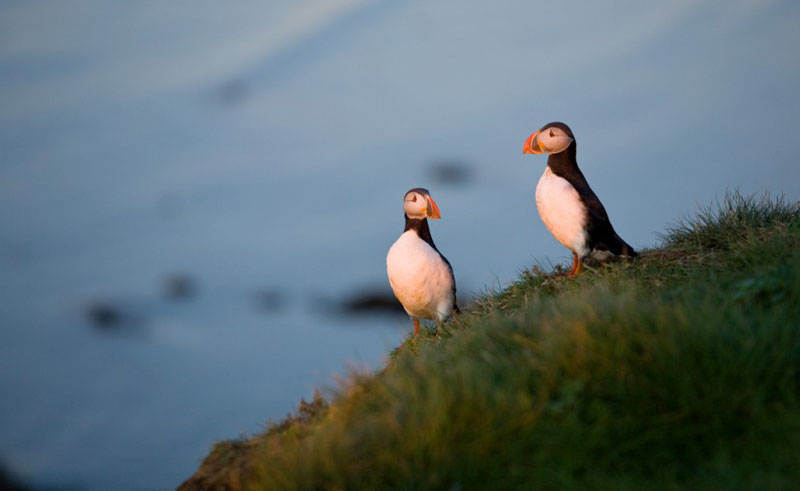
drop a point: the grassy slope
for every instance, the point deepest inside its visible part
(678, 370)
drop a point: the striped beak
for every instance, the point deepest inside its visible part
(433, 209)
(532, 144)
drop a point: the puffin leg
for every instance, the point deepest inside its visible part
(416, 327)
(576, 268)
(575, 264)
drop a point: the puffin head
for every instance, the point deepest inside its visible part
(419, 204)
(551, 138)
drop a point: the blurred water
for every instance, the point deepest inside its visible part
(267, 147)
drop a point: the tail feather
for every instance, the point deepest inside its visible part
(624, 248)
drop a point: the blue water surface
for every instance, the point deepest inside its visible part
(261, 150)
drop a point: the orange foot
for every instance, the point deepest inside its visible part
(576, 267)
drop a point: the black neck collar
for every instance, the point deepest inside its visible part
(564, 164)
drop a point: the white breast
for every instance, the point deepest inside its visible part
(420, 278)
(562, 211)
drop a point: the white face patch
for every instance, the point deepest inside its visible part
(415, 205)
(553, 140)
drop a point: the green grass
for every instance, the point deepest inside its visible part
(679, 370)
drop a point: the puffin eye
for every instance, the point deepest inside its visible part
(414, 197)
(551, 133)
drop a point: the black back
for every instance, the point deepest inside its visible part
(599, 229)
(420, 226)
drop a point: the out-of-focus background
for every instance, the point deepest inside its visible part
(196, 198)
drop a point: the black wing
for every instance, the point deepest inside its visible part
(602, 235)
(453, 277)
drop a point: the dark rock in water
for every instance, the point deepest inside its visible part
(271, 300)
(451, 172)
(104, 315)
(9, 482)
(179, 286)
(108, 316)
(234, 92)
(372, 301)
(369, 301)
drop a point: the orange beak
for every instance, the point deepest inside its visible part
(433, 209)
(532, 144)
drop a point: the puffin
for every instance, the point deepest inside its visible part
(569, 208)
(421, 277)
